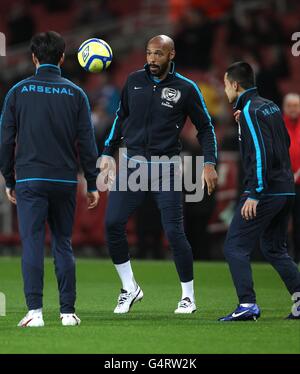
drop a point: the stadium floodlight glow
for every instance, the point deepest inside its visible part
(2, 44)
(296, 46)
(2, 305)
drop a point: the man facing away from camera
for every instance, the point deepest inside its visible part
(265, 206)
(45, 119)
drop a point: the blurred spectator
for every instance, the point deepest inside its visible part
(213, 9)
(102, 122)
(105, 97)
(194, 40)
(264, 22)
(58, 5)
(106, 93)
(272, 67)
(21, 24)
(291, 108)
(93, 11)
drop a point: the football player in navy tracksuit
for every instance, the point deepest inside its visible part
(265, 206)
(45, 120)
(154, 105)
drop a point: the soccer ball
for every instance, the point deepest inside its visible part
(94, 55)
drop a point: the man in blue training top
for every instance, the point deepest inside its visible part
(264, 209)
(45, 119)
(155, 103)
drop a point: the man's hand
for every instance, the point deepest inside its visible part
(210, 177)
(93, 199)
(236, 115)
(249, 209)
(11, 195)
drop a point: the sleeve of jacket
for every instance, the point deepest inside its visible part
(8, 131)
(88, 152)
(200, 117)
(259, 152)
(115, 136)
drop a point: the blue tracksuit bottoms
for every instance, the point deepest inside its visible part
(39, 202)
(121, 204)
(270, 227)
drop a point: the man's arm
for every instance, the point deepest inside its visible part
(8, 132)
(88, 152)
(260, 151)
(200, 117)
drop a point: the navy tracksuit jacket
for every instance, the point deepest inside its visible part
(46, 118)
(45, 125)
(149, 121)
(264, 146)
(152, 114)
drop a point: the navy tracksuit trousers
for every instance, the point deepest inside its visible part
(121, 204)
(271, 227)
(39, 202)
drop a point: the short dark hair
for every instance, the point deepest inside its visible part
(48, 47)
(242, 73)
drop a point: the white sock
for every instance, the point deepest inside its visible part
(247, 305)
(188, 290)
(126, 275)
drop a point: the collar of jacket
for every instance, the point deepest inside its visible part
(170, 74)
(48, 68)
(244, 97)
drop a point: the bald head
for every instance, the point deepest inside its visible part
(291, 106)
(160, 53)
(163, 41)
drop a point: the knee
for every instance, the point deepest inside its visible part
(112, 224)
(271, 254)
(64, 262)
(228, 250)
(174, 233)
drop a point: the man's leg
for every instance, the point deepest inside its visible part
(32, 208)
(121, 204)
(241, 239)
(62, 203)
(170, 206)
(274, 248)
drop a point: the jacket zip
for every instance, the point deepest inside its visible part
(149, 120)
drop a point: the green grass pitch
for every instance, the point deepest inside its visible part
(151, 326)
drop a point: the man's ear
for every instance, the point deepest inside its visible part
(62, 59)
(172, 55)
(34, 59)
(235, 85)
